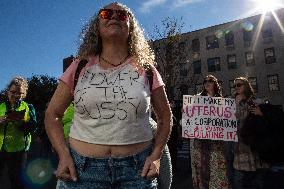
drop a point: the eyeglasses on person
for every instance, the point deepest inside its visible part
(16, 93)
(208, 81)
(107, 14)
(238, 85)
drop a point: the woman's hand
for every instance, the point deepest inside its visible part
(2, 119)
(239, 98)
(151, 167)
(255, 110)
(66, 169)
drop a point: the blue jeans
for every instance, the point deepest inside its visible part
(109, 173)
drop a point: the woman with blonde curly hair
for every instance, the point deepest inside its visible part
(17, 121)
(111, 143)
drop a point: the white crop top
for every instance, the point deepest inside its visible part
(112, 106)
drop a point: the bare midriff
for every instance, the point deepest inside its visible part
(100, 150)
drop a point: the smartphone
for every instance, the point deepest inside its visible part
(15, 115)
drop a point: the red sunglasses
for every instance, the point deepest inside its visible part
(107, 14)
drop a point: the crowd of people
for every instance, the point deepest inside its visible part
(99, 121)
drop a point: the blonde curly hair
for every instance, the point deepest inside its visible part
(138, 47)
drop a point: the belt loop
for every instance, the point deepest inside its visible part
(110, 161)
(82, 163)
(135, 161)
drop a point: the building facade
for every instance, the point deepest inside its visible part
(252, 47)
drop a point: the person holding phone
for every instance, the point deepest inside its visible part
(17, 121)
(248, 169)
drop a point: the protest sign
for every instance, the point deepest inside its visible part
(205, 117)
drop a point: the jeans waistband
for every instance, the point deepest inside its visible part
(144, 152)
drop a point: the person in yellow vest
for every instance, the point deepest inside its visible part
(17, 121)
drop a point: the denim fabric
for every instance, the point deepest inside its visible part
(109, 173)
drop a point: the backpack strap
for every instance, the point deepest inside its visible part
(81, 65)
(149, 74)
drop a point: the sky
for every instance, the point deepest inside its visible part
(36, 35)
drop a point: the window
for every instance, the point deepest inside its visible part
(231, 59)
(197, 67)
(195, 45)
(269, 55)
(183, 70)
(253, 83)
(229, 38)
(266, 27)
(198, 87)
(249, 58)
(181, 46)
(212, 42)
(266, 32)
(273, 82)
(183, 73)
(213, 64)
(232, 88)
(181, 51)
(247, 35)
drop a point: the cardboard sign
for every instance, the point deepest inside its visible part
(205, 117)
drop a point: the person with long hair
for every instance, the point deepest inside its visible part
(208, 162)
(17, 122)
(248, 169)
(110, 142)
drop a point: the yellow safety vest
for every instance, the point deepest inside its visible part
(13, 139)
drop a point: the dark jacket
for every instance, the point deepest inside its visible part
(264, 133)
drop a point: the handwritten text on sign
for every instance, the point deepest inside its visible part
(206, 117)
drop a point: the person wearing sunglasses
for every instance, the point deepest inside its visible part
(17, 122)
(110, 142)
(208, 162)
(248, 169)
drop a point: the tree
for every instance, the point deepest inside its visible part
(169, 44)
(3, 95)
(166, 37)
(41, 89)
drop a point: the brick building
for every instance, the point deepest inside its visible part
(252, 47)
